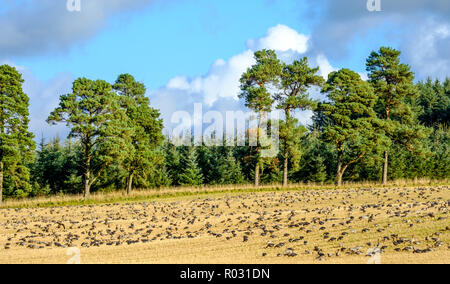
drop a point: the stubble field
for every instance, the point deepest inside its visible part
(403, 225)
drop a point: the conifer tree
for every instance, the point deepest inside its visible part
(229, 169)
(353, 125)
(255, 87)
(144, 124)
(434, 102)
(394, 86)
(191, 174)
(16, 141)
(96, 119)
(313, 166)
(296, 80)
(208, 161)
(172, 162)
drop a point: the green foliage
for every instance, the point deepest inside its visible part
(94, 114)
(394, 86)
(392, 82)
(190, 174)
(172, 162)
(116, 139)
(353, 126)
(145, 129)
(272, 171)
(229, 170)
(208, 162)
(433, 160)
(296, 80)
(315, 163)
(56, 167)
(434, 101)
(291, 134)
(16, 142)
(255, 83)
(255, 87)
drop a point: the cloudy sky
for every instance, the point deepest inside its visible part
(194, 51)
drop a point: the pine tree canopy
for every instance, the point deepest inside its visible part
(16, 141)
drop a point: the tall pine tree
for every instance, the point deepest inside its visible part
(296, 80)
(16, 142)
(394, 86)
(96, 118)
(352, 122)
(255, 87)
(145, 125)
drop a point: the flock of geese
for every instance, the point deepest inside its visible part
(317, 223)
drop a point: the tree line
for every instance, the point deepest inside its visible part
(387, 127)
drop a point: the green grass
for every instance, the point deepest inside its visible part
(79, 201)
(179, 193)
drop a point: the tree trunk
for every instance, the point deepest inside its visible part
(339, 170)
(339, 179)
(286, 152)
(130, 183)
(258, 150)
(385, 168)
(257, 174)
(87, 184)
(386, 154)
(285, 171)
(87, 178)
(1, 182)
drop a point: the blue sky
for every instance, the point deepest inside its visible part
(164, 40)
(188, 51)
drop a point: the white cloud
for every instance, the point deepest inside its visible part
(281, 38)
(325, 66)
(364, 76)
(180, 83)
(219, 88)
(222, 80)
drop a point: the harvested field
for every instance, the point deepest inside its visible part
(407, 225)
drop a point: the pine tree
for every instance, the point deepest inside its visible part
(145, 125)
(440, 148)
(434, 103)
(229, 170)
(353, 127)
(16, 142)
(292, 134)
(320, 173)
(313, 165)
(208, 162)
(190, 174)
(95, 117)
(393, 84)
(255, 84)
(296, 80)
(172, 162)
